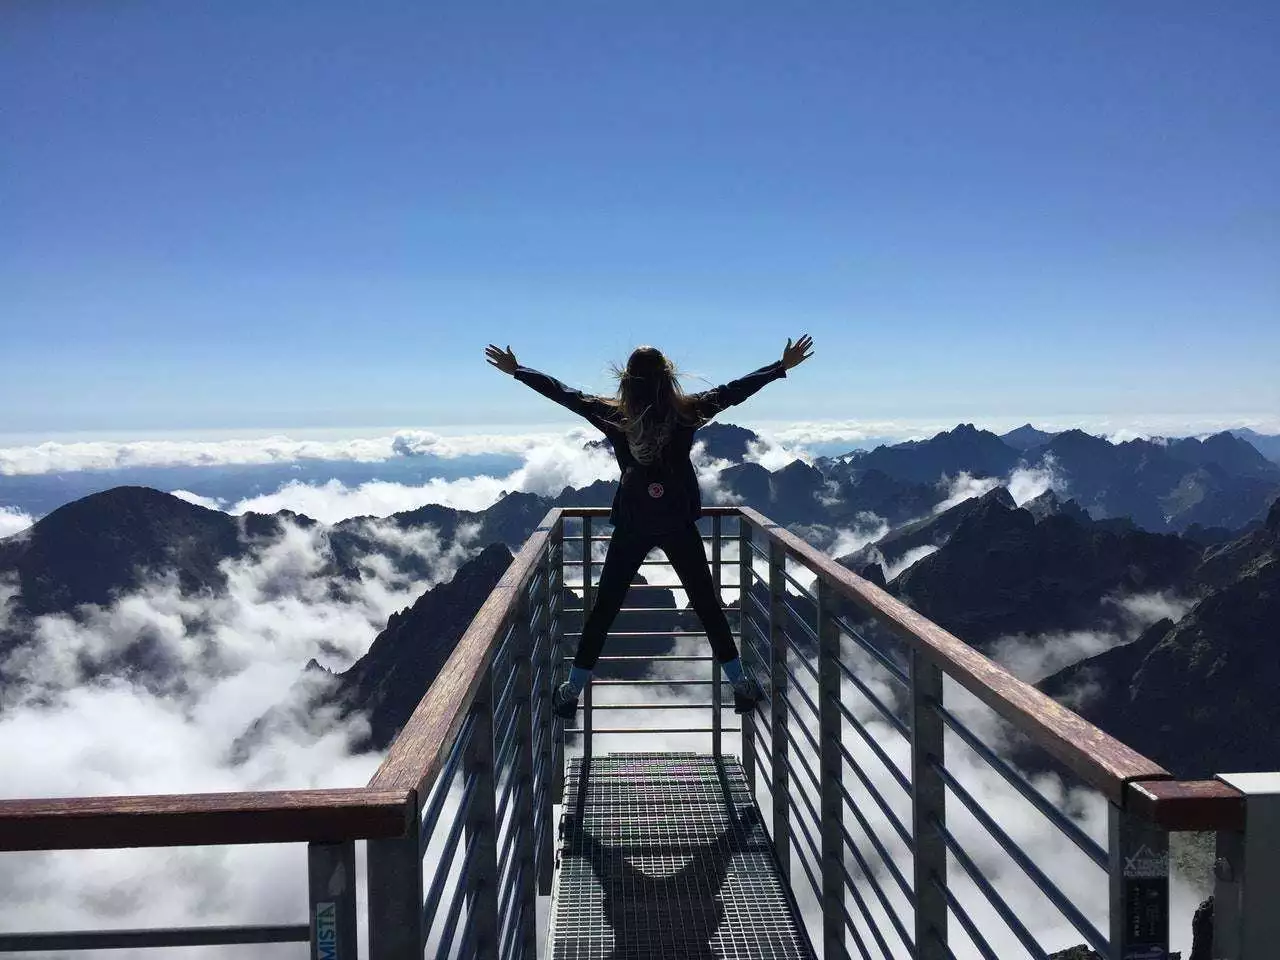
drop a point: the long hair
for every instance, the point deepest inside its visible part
(649, 402)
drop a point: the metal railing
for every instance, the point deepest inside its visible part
(863, 760)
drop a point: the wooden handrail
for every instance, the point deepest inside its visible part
(1096, 757)
(424, 743)
(194, 819)
(1188, 804)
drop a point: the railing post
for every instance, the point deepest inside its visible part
(1246, 921)
(778, 661)
(1139, 872)
(551, 759)
(744, 638)
(482, 881)
(395, 895)
(588, 595)
(523, 814)
(557, 666)
(331, 890)
(928, 807)
(717, 579)
(832, 773)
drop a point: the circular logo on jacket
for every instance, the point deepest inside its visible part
(656, 490)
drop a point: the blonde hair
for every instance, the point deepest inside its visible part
(649, 402)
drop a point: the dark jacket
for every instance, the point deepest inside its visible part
(664, 495)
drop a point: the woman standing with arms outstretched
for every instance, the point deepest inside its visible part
(651, 422)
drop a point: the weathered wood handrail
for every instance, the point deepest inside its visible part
(193, 819)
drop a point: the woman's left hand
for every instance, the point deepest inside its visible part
(504, 360)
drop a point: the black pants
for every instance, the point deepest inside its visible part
(626, 551)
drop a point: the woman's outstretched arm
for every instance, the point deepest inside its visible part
(592, 408)
(712, 402)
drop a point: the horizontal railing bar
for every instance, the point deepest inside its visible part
(881, 896)
(875, 701)
(655, 683)
(440, 790)
(597, 730)
(883, 757)
(1090, 847)
(506, 890)
(679, 610)
(1037, 876)
(652, 705)
(196, 819)
(852, 886)
(884, 659)
(971, 928)
(804, 862)
(597, 512)
(813, 671)
(800, 621)
(805, 591)
(852, 927)
(160, 937)
(646, 634)
(881, 802)
(445, 945)
(663, 658)
(445, 856)
(1099, 759)
(804, 729)
(508, 925)
(990, 893)
(883, 853)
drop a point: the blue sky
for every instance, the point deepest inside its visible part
(264, 214)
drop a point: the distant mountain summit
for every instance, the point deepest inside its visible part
(965, 449)
(1025, 437)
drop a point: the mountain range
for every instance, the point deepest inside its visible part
(986, 567)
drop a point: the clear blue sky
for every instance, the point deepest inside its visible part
(273, 214)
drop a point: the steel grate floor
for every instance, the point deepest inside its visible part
(663, 855)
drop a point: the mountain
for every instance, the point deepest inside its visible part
(1025, 437)
(1003, 571)
(1266, 444)
(1198, 696)
(965, 449)
(1169, 485)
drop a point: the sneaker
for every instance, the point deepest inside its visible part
(747, 694)
(564, 702)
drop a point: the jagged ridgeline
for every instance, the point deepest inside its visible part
(1033, 536)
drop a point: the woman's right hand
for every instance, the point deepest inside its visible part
(505, 360)
(794, 355)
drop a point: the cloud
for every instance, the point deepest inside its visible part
(214, 664)
(869, 528)
(59, 457)
(209, 503)
(963, 487)
(1026, 483)
(546, 471)
(708, 470)
(773, 454)
(908, 560)
(13, 521)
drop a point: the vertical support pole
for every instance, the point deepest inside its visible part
(331, 890)
(482, 882)
(588, 596)
(744, 639)
(830, 767)
(557, 658)
(1139, 873)
(778, 661)
(928, 807)
(717, 579)
(1245, 917)
(552, 758)
(523, 815)
(395, 895)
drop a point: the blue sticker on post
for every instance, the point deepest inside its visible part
(327, 931)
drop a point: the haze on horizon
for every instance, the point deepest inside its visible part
(239, 216)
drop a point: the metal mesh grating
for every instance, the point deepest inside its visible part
(663, 855)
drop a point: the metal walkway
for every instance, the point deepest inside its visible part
(664, 855)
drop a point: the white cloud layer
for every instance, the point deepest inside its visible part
(13, 520)
(214, 665)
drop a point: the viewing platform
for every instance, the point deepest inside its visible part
(870, 808)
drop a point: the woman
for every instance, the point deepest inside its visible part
(650, 423)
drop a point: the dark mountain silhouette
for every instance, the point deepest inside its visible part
(1266, 444)
(1004, 572)
(1025, 437)
(1220, 481)
(964, 449)
(1198, 696)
